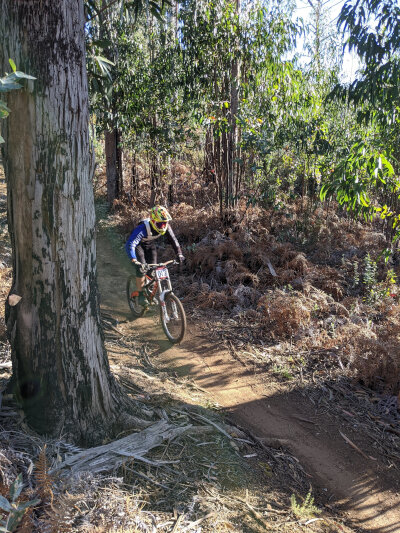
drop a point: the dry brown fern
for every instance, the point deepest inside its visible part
(62, 512)
(215, 300)
(203, 258)
(26, 525)
(44, 481)
(287, 276)
(329, 280)
(284, 314)
(236, 273)
(229, 250)
(4, 490)
(299, 264)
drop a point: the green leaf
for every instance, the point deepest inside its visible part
(25, 505)
(16, 488)
(4, 110)
(155, 11)
(14, 519)
(388, 165)
(105, 60)
(13, 66)
(364, 200)
(1, 139)
(323, 192)
(5, 504)
(103, 64)
(3, 107)
(6, 86)
(19, 74)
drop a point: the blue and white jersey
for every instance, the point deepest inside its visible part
(144, 235)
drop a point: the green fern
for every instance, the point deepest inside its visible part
(305, 510)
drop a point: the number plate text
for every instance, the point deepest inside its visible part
(162, 273)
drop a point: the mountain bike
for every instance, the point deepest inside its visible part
(158, 290)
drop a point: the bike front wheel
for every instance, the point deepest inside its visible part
(133, 300)
(173, 318)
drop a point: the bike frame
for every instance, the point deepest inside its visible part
(155, 284)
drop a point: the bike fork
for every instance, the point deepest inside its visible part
(163, 294)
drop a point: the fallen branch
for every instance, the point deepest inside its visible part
(271, 268)
(197, 416)
(110, 456)
(147, 478)
(303, 419)
(356, 447)
(198, 522)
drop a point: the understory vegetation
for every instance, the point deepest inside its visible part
(281, 173)
(301, 278)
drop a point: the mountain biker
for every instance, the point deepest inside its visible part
(141, 247)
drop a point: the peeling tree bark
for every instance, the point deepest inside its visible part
(61, 373)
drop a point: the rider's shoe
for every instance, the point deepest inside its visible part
(143, 301)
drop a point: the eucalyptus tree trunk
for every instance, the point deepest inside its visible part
(134, 189)
(154, 177)
(111, 134)
(232, 176)
(233, 179)
(113, 165)
(61, 373)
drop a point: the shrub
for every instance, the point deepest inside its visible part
(284, 313)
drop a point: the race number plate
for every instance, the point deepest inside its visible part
(162, 273)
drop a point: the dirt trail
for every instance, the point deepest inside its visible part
(367, 491)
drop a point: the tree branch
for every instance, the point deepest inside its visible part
(104, 8)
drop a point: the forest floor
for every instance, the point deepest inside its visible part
(271, 429)
(321, 427)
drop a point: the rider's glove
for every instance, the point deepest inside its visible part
(181, 258)
(142, 268)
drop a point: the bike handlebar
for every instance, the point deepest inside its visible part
(156, 265)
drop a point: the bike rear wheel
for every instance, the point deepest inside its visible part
(173, 318)
(133, 301)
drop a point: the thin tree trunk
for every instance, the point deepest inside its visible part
(239, 164)
(134, 178)
(120, 173)
(154, 178)
(225, 175)
(171, 186)
(234, 107)
(60, 368)
(111, 135)
(113, 165)
(155, 158)
(218, 171)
